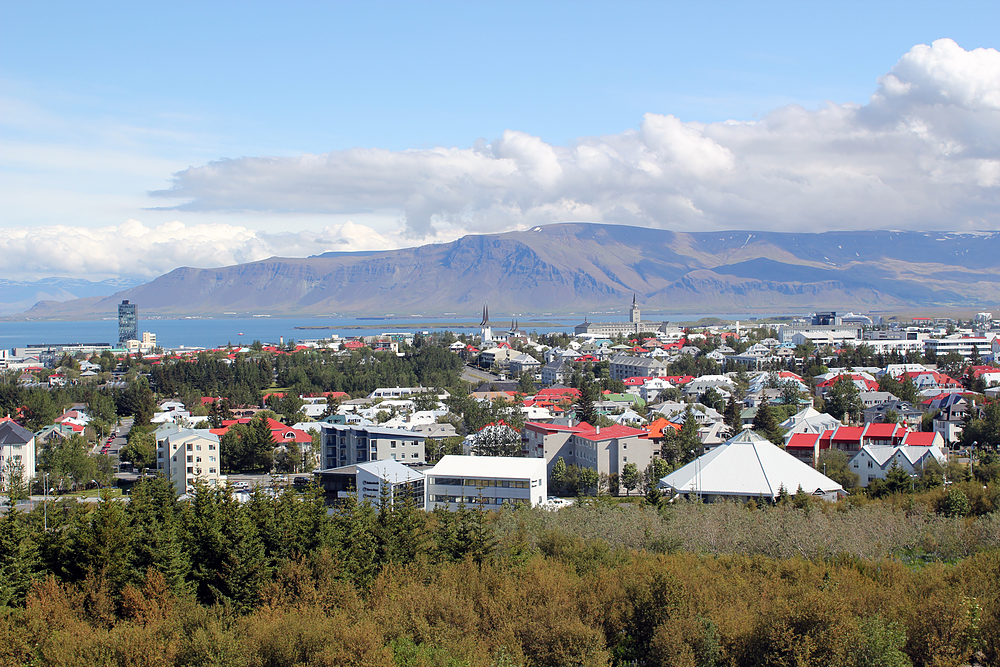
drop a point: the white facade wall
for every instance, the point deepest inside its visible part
(185, 456)
(485, 481)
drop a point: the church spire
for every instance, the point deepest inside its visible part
(486, 316)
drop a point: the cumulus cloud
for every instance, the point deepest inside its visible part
(135, 250)
(922, 153)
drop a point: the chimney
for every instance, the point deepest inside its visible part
(597, 430)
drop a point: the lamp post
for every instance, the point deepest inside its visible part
(98, 488)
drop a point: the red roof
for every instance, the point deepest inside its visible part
(564, 392)
(608, 432)
(656, 428)
(884, 431)
(919, 438)
(848, 434)
(803, 441)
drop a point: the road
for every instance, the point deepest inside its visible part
(477, 376)
(119, 440)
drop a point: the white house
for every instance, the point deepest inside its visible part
(874, 461)
(485, 481)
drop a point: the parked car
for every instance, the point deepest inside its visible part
(301, 481)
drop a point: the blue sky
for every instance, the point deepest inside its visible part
(103, 104)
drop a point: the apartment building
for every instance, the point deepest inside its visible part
(346, 444)
(187, 455)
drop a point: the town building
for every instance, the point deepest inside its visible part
(185, 456)
(388, 479)
(605, 449)
(748, 467)
(634, 325)
(345, 444)
(17, 447)
(485, 481)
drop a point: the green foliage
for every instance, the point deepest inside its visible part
(843, 400)
(834, 464)
(630, 477)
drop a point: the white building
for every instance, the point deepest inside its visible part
(485, 481)
(389, 479)
(874, 461)
(17, 444)
(187, 455)
(747, 467)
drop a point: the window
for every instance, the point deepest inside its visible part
(870, 464)
(413, 455)
(189, 447)
(392, 444)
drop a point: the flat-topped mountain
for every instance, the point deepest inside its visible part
(580, 266)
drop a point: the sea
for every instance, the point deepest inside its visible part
(235, 331)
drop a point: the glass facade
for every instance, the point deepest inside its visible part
(128, 322)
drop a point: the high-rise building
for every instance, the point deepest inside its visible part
(128, 322)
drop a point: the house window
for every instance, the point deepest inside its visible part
(392, 444)
(189, 447)
(870, 464)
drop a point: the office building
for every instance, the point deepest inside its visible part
(128, 323)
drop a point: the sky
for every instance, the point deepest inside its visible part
(139, 137)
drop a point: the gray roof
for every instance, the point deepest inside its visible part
(12, 433)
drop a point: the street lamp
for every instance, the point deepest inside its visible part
(98, 488)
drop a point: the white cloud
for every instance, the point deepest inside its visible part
(923, 153)
(133, 250)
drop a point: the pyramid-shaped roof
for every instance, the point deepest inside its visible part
(748, 465)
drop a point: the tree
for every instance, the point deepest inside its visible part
(584, 407)
(589, 479)
(39, 410)
(897, 480)
(766, 425)
(525, 384)
(630, 477)
(12, 481)
(497, 440)
(843, 399)
(732, 415)
(835, 465)
(558, 476)
(141, 448)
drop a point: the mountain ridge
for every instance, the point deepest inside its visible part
(574, 267)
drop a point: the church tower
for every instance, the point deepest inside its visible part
(634, 316)
(485, 333)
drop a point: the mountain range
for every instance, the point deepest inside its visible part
(18, 295)
(578, 267)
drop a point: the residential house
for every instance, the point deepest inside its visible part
(346, 444)
(874, 461)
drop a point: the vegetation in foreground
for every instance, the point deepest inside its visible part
(280, 581)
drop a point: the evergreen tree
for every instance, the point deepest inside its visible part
(20, 562)
(766, 425)
(584, 406)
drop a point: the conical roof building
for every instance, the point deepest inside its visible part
(747, 467)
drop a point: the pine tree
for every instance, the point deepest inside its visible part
(20, 562)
